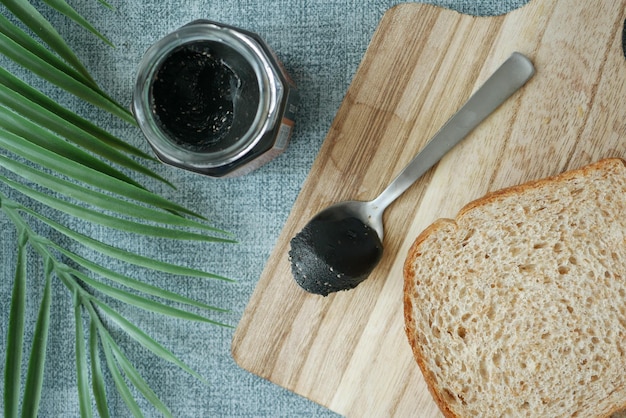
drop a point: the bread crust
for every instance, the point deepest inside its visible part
(415, 251)
(409, 321)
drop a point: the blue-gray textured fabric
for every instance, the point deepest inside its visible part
(321, 44)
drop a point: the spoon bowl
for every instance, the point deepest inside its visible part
(342, 244)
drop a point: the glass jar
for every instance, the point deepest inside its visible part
(214, 99)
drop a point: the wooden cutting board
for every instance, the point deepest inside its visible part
(348, 351)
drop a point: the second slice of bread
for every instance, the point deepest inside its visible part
(518, 306)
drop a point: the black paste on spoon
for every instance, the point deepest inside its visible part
(329, 255)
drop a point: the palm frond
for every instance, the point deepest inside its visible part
(31, 17)
(97, 378)
(144, 339)
(120, 384)
(32, 99)
(67, 10)
(21, 38)
(131, 283)
(70, 168)
(24, 128)
(35, 115)
(141, 302)
(106, 4)
(82, 374)
(71, 277)
(34, 379)
(66, 163)
(123, 255)
(106, 220)
(136, 379)
(101, 200)
(15, 338)
(68, 82)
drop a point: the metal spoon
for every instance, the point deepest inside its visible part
(341, 254)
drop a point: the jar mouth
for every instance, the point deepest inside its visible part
(205, 95)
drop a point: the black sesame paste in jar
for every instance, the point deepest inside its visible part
(214, 99)
(193, 96)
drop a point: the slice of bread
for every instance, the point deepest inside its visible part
(517, 308)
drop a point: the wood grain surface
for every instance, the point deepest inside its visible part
(348, 351)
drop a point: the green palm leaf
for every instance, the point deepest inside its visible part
(67, 10)
(15, 338)
(81, 361)
(41, 117)
(29, 98)
(34, 380)
(79, 172)
(132, 283)
(49, 72)
(120, 384)
(38, 24)
(98, 199)
(21, 38)
(105, 4)
(64, 162)
(32, 132)
(106, 220)
(124, 255)
(136, 379)
(141, 302)
(97, 378)
(145, 340)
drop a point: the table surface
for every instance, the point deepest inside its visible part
(321, 45)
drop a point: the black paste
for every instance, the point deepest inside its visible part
(332, 255)
(193, 96)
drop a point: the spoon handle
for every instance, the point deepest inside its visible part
(505, 81)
